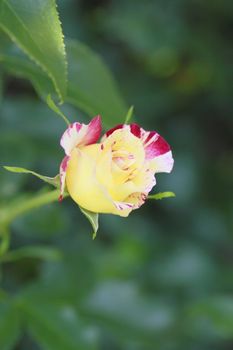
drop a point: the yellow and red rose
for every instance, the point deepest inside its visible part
(115, 175)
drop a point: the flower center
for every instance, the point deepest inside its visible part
(123, 159)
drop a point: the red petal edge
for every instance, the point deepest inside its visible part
(157, 147)
(135, 130)
(109, 132)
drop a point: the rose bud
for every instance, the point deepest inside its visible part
(115, 175)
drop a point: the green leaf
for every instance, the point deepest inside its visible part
(35, 27)
(51, 180)
(9, 326)
(91, 86)
(38, 252)
(93, 218)
(129, 115)
(161, 195)
(15, 63)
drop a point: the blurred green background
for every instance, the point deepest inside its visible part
(161, 279)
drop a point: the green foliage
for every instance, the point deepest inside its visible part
(93, 218)
(216, 314)
(129, 115)
(23, 204)
(130, 312)
(1, 86)
(36, 202)
(162, 195)
(91, 86)
(9, 325)
(50, 180)
(54, 326)
(36, 29)
(38, 252)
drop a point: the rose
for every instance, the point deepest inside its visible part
(115, 175)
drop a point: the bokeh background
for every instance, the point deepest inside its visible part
(161, 279)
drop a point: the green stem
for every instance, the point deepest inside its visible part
(29, 204)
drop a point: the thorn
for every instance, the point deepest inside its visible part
(60, 198)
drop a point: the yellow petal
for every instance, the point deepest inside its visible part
(82, 183)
